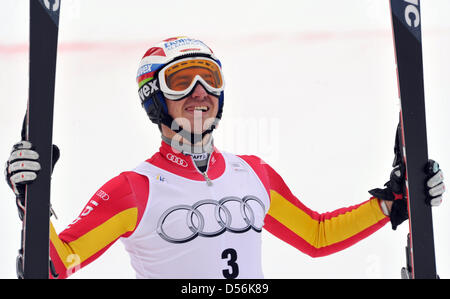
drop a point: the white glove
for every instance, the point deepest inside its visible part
(21, 169)
(436, 184)
(22, 166)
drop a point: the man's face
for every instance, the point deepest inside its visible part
(196, 112)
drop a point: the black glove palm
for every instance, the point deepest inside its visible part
(395, 189)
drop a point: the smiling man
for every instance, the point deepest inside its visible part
(192, 211)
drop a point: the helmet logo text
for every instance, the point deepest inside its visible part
(148, 89)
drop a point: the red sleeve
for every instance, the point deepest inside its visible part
(114, 211)
(316, 234)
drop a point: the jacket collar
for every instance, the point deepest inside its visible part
(179, 163)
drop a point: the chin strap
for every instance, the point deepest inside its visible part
(193, 138)
(190, 149)
(160, 116)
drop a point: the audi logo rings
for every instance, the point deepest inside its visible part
(176, 160)
(222, 215)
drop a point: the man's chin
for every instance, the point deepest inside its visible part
(199, 123)
(193, 124)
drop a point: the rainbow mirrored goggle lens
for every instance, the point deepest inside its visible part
(179, 78)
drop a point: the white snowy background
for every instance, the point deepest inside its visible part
(310, 87)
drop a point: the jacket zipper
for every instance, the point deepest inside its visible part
(208, 181)
(204, 174)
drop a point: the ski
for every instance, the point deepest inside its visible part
(406, 28)
(33, 260)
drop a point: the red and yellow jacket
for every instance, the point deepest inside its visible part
(117, 208)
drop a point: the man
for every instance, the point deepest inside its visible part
(192, 211)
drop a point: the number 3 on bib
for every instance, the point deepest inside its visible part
(231, 255)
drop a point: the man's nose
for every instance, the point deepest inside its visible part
(199, 92)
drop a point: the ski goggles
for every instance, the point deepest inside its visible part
(179, 78)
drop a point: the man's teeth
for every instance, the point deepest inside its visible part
(201, 108)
